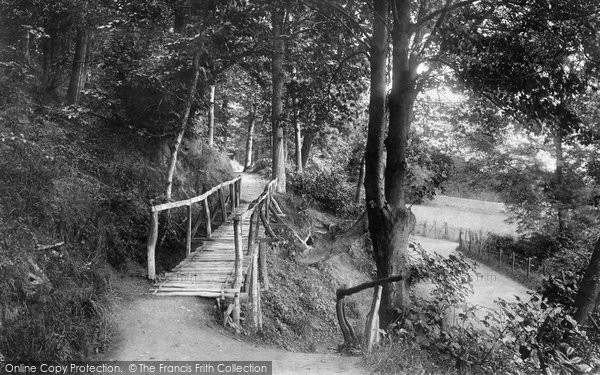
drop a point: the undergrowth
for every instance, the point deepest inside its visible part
(73, 179)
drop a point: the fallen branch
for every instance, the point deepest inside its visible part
(49, 247)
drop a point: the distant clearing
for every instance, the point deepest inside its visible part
(464, 213)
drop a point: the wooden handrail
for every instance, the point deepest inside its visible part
(187, 202)
(234, 192)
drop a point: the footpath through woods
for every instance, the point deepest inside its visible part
(153, 328)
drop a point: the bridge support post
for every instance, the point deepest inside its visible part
(152, 237)
(239, 254)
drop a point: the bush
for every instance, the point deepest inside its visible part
(326, 189)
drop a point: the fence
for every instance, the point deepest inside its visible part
(474, 244)
(438, 231)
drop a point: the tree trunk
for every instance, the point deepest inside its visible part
(225, 123)
(211, 117)
(181, 13)
(559, 180)
(297, 129)
(589, 290)
(77, 79)
(51, 50)
(249, 139)
(184, 121)
(277, 99)
(361, 180)
(309, 136)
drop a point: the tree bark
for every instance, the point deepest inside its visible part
(559, 180)
(77, 79)
(184, 120)
(211, 117)
(225, 122)
(249, 140)
(51, 50)
(309, 136)
(588, 295)
(361, 180)
(297, 129)
(277, 99)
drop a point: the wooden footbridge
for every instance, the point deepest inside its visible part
(224, 263)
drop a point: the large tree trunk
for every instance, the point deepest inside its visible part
(309, 136)
(184, 120)
(277, 99)
(78, 71)
(249, 140)
(588, 296)
(211, 116)
(374, 187)
(401, 101)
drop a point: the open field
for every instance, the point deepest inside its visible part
(461, 213)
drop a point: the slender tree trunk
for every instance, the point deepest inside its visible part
(361, 179)
(51, 49)
(559, 180)
(181, 13)
(77, 79)
(211, 117)
(297, 128)
(588, 296)
(225, 122)
(309, 136)
(277, 99)
(249, 140)
(184, 121)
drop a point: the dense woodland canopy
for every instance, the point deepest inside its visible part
(124, 102)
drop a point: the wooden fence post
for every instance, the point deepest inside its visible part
(208, 219)
(425, 228)
(232, 196)
(239, 254)
(151, 247)
(372, 326)
(446, 231)
(188, 239)
(528, 267)
(262, 263)
(460, 240)
(500, 256)
(236, 308)
(255, 290)
(513, 261)
(238, 194)
(222, 201)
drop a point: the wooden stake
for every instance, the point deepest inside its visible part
(152, 237)
(236, 309)
(513, 260)
(262, 263)
(208, 220)
(372, 326)
(188, 240)
(223, 207)
(528, 267)
(232, 198)
(239, 253)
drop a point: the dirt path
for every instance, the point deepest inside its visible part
(182, 328)
(488, 284)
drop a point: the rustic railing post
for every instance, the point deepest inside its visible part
(236, 308)
(208, 219)
(372, 326)
(255, 290)
(222, 202)
(528, 267)
(239, 255)
(152, 237)
(238, 193)
(251, 232)
(513, 261)
(188, 239)
(500, 256)
(232, 198)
